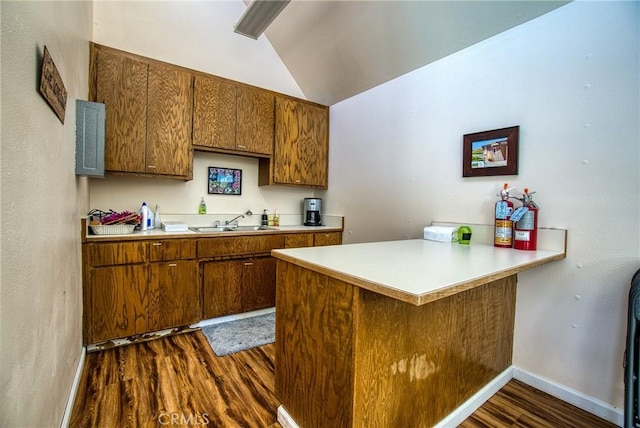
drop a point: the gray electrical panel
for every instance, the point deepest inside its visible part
(90, 122)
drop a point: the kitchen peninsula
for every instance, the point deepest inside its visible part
(395, 333)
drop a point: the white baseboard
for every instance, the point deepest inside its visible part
(227, 318)
(74, 390)
(285, 419)
(582, 401)
(467, 408)
(568, 395)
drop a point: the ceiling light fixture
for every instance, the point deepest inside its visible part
(258, 16)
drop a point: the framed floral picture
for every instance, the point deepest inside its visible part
(491, 153)
(225, 181)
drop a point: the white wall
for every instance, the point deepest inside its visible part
(570, 80)
(175, 32)
(42, 202)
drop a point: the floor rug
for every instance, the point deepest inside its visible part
(239, 335)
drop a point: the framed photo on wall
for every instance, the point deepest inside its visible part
(225, 181)
(490, 153)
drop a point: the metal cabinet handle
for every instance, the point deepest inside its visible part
(248, 263)
(157, 243)
(173, 264)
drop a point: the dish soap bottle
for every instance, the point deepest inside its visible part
(202, 209)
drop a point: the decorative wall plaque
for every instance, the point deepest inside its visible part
(51, 86)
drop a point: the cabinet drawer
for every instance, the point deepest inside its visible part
(329, 238)
(172, 249)
(117, 253)
(298, 240)
(239, 245)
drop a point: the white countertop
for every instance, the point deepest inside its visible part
(416, 271)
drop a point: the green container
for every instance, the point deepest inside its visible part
(464, 235)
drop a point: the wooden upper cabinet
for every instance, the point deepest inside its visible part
(121, 84)
(255, 120)
(148, 108)
(301, 150)
(232, 117)
(168, 150)
(214, 113)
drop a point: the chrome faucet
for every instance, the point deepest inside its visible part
(235, 219)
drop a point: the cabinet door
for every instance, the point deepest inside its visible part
(168, 148)
(214, 113)
(298, 240)
(121, 84)
(237, 286)
(258, 283)
(221, 288)
(255, 120)
(119, 301)
(301, 153)
(172, 249)
(330, 238)
(174, 294)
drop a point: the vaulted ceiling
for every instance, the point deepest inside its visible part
(337, 49)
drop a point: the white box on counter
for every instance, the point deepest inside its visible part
(441, 233)
(174, 226)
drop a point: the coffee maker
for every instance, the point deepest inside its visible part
(312, 209)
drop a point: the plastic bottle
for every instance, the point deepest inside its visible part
(158, 221)
(265, 218)
(276, 219)
(145, 216)
(202, 209)
(151, 219)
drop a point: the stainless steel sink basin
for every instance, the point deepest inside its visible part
(212, 229)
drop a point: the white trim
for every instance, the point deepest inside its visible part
(219, 320)
(582, 401)
(285, 419)
(467, 408)
(74, 390)
(566, 394)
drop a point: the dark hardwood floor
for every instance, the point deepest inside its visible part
(519, 405)
(179, 381)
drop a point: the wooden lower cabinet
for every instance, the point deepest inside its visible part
(329, 238)
(119, 301)
(141, 286)
(237, 286)
(298, 240)
(174, 294)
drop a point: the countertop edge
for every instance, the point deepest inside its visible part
(416, 299)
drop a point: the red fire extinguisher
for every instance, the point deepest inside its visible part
(503, 226)
(525, 235)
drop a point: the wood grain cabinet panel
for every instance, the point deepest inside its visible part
(237, 286)
(148, 113)
(117, 253)
(121, 84)
(214, 113)
(119, 301)
(172, 249)
(329, 238)
(301, 150)
(298, 240)
(259, 283)
(168, 148)
(239, 245)
(255, 120)
(174, 294)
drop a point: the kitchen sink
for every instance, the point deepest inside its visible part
(213, 229)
